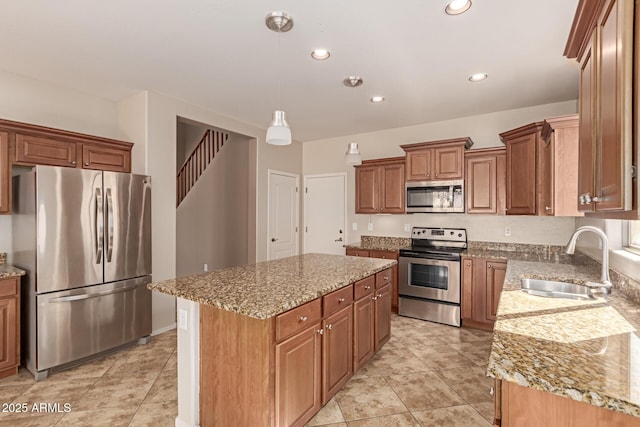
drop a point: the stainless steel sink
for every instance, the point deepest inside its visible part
(549, 288)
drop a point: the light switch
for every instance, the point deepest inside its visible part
(507, 231)
(370, 226)
(354, 226)
(407, 227)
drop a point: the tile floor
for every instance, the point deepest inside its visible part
(426, 375)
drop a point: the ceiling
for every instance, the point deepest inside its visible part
(218, 54)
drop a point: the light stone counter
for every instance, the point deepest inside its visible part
(266, 289)
(6, 270)
(588, 351)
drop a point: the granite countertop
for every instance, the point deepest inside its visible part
(8, 270)
(588, 351)
(268, 288)
(379, 243)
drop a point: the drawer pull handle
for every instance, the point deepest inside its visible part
(303, 318)
(386, 278)
(329, 326)
(374, 298)
(491, 391)
(340, 300)
(379, 295)
(321, 331)
(366, 288)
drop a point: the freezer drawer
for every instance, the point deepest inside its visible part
(82, 322)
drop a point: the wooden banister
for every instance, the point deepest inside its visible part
(195, 165)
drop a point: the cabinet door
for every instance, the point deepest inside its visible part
(467, 288)
(495, 280)
(33, 150)
(587, 127)
(392, 188)
(5, 174)
(419, 165)
(367, 190)
(382, 309)
(298, 383)
(106, 159)
(363, 331)
(521, 175)
(8, 332)
(448, 162)
(481, 185)
(614, 99)
(337, 353)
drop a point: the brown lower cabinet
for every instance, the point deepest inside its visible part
(482, 281)
(519, 406)
(394, 273)
(9, 326)
(280, 371)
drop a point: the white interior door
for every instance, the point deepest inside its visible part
(283, 215)
(325, 213)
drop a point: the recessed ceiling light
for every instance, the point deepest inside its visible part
(456, 7)
(320, 54)
(376, 99)
(477, 77)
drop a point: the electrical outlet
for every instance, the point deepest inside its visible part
(407, 227)
(354, 226)
(206, 267)
(370, 226)
(183, 319)
(507, 231)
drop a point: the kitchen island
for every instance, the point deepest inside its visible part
(268, 343)
(565, 362)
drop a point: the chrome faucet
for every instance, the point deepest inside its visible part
(605, 282)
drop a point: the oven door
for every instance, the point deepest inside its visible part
(429, 278)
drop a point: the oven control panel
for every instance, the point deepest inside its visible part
(439, 234)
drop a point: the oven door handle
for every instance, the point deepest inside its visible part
(421, 255)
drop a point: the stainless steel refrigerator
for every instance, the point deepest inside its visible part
(84, 238)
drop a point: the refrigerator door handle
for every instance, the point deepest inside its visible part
(97, 294)
(109, 223)
(99, 225)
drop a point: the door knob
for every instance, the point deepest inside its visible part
(273, 239)
(338, 240)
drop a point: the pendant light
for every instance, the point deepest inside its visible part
(279, 132)
(352, 156)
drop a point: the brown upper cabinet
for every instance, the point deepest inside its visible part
(602, 40)
(380, 186)
(24, 144)
(522, 150)
(485, 180)
(559, 167)
(436, 160)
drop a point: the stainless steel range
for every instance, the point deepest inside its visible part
(429, 275)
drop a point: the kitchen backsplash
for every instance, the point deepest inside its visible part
(3, 257)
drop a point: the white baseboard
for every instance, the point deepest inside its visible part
(181, 423)
(165, 329)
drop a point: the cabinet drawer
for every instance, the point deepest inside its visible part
(297, 319)
(33, 150)
(336, 300)
(384, 277)
(357, 252)
(384, 254)
(364, 287)
(8, 287)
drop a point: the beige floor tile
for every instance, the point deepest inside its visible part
(116, 391)
(39, 420)
(471, 384)
(423, 390)
(156, 415)
(444, 359)
(398, 420)
(485, 409)
(329, 414)
(334, 425)
(92, 369)
(478, 358)
(24, 377)
(52, 390)
(9, 393)
(164, 389)
(108, 417)
(172, 363)
(368, 397)
(131, 363)
(454, 416)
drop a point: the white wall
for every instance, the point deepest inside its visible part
(212, 219)
(327, 155)
(32, 101)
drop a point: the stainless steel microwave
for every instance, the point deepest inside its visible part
(435, 196)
